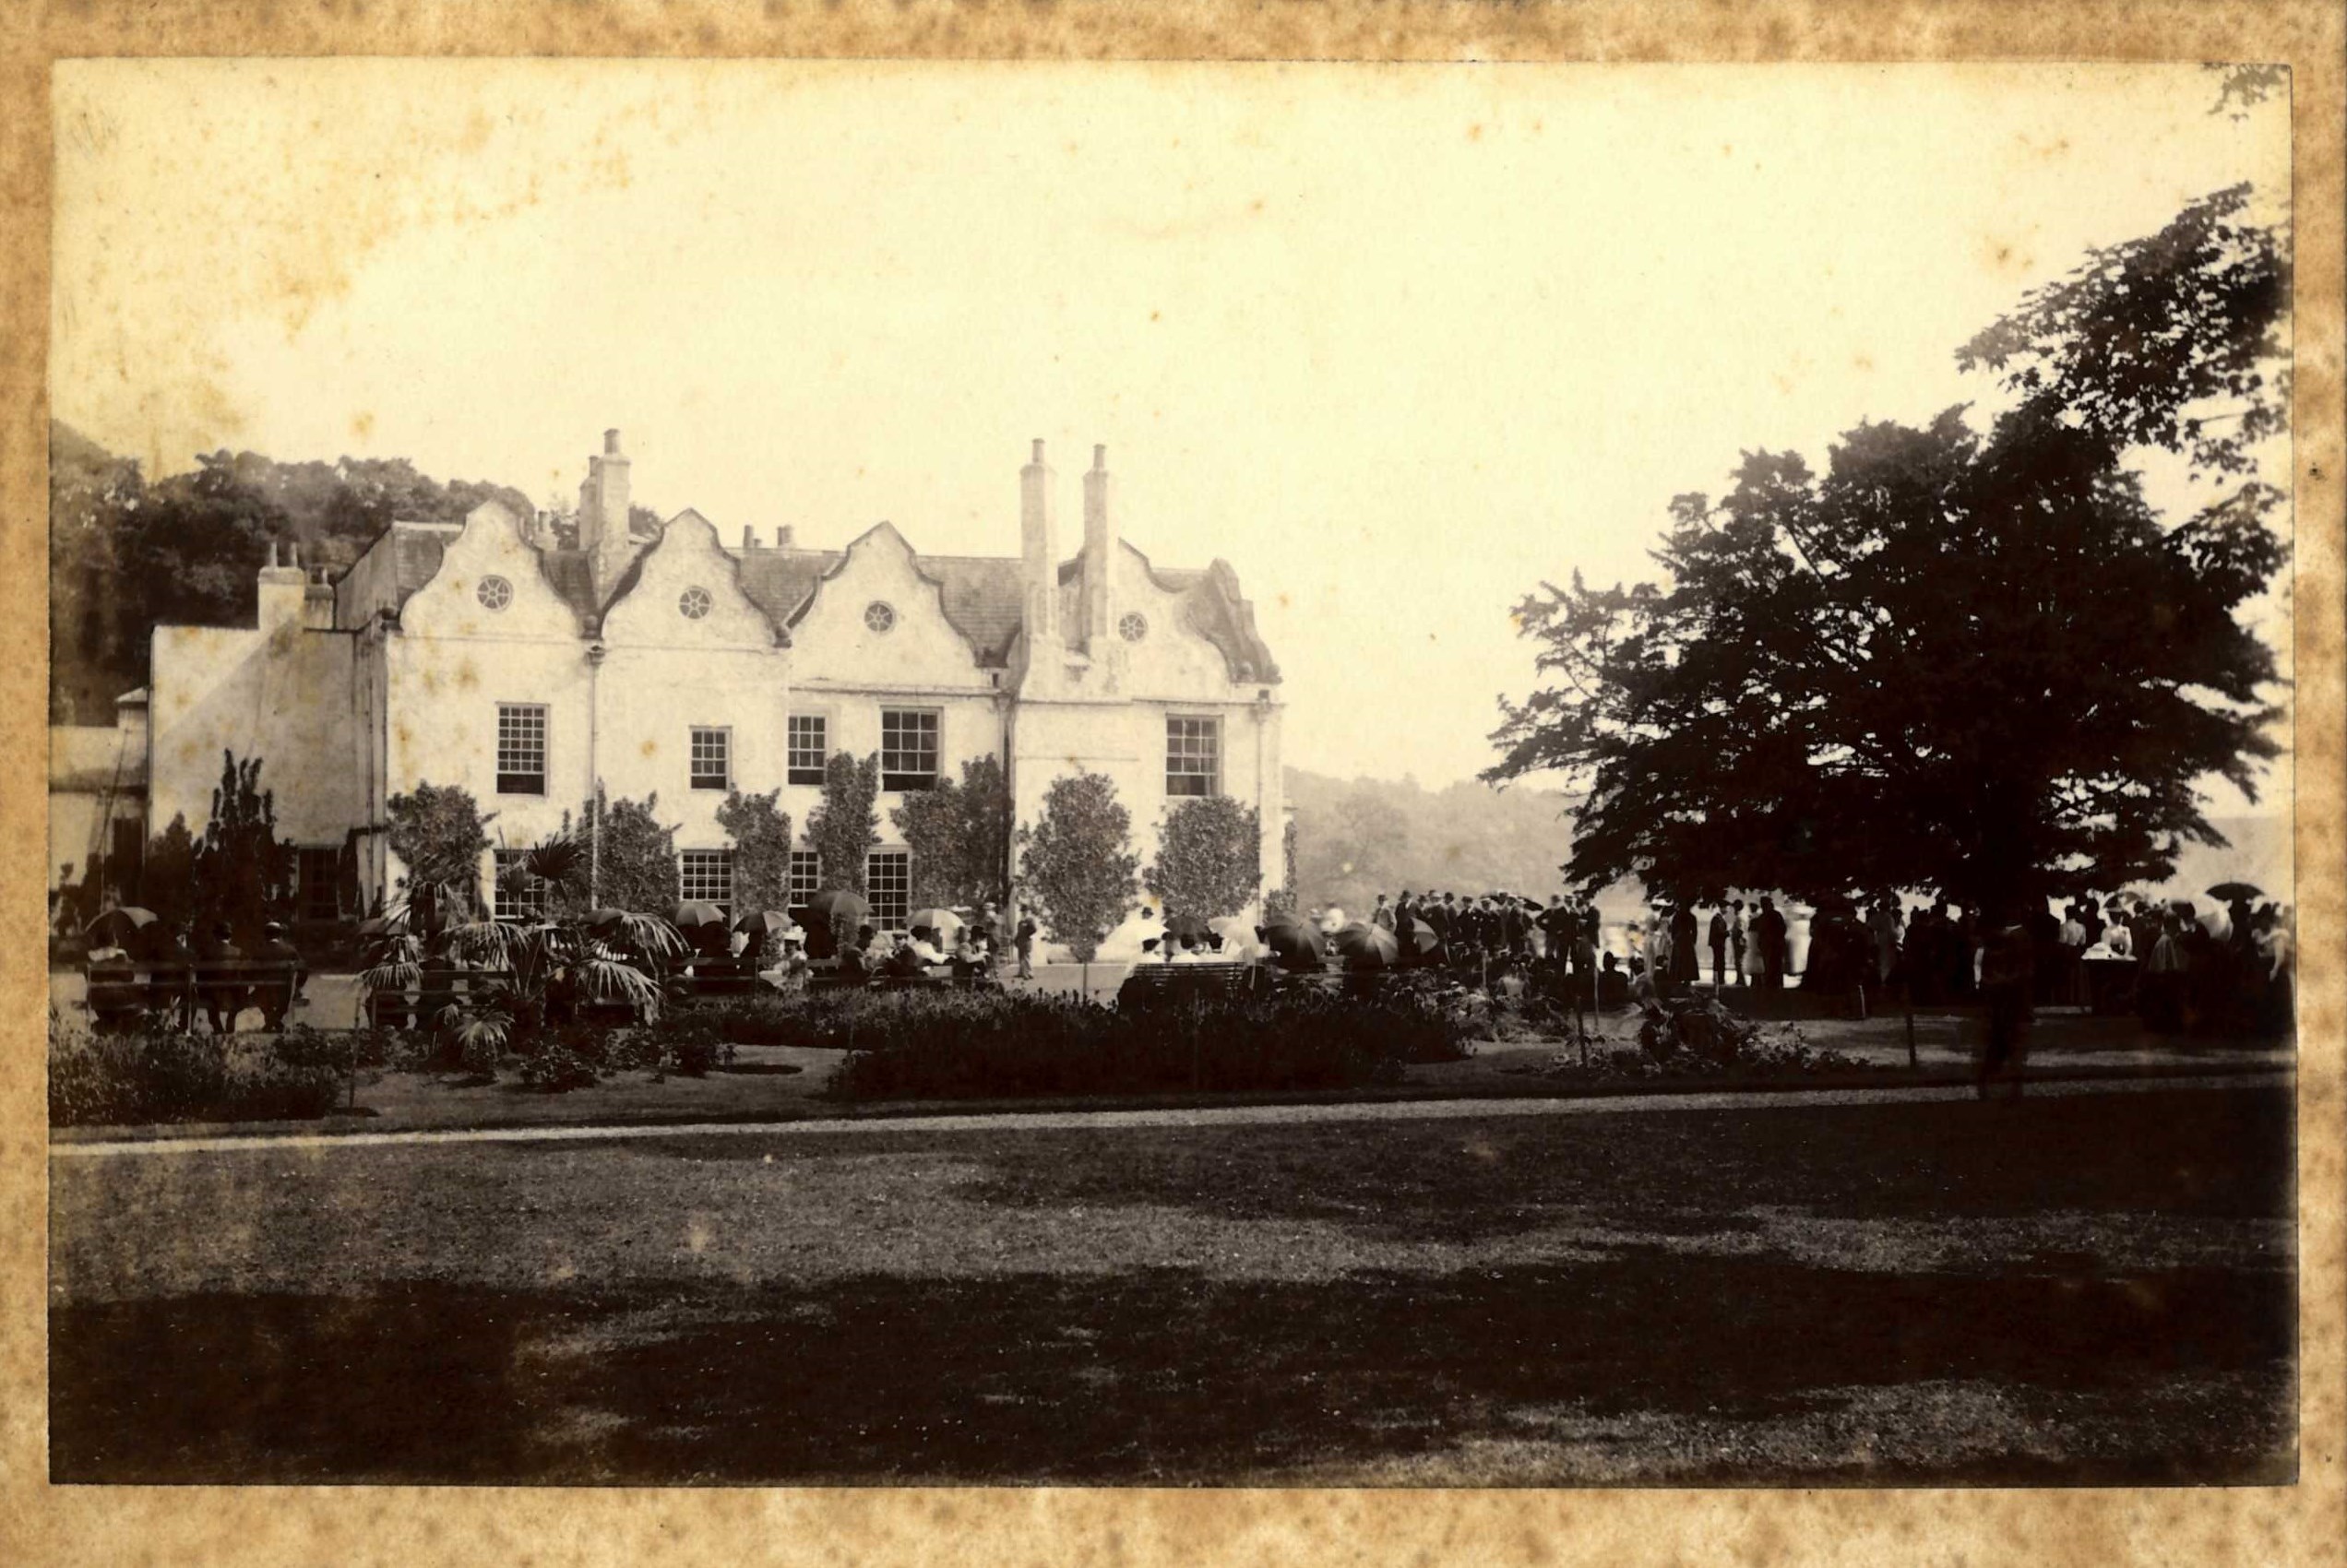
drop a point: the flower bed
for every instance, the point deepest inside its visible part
(983, 1045)
(1782, 1053)
(173, 1076)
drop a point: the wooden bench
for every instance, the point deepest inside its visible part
(1157, 984)
(419, 1006)
(120, 994)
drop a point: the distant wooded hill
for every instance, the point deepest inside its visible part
(128, 551)
(1358, 837)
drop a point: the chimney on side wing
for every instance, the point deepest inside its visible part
(282, 592)
(1040, 553)
(1100, 555)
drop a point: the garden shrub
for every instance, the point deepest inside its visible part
(950, 1044)
(175, 1075)
(556, 1068)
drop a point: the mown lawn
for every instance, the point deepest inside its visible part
(2088, 1288)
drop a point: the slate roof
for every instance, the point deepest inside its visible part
(983, 595)
(82, 760)
(418, 548)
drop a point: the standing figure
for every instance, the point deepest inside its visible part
(1768, 935)
(1685, 967)
(2008, 975)
(1718, 934)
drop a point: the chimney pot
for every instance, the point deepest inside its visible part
(293, 553)
(272, 561)
(749, 537)
(1039, 450)
(1100, 458)
(611, 442)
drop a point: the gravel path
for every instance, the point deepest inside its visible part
(1211, 1116)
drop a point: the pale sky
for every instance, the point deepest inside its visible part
(1399, 341)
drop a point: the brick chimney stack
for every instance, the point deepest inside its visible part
(602, 512)
(1100, 555)
(1041, 555)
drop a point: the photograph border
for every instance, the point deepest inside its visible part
(410, 1526)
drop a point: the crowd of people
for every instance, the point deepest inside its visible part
(2226, 973)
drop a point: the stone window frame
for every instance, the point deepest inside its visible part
(698, 749)
(892, 894)
(805, 878)
(792, 771)
(545, 746)
(700, 871)
(1184, 733)
(903, 780)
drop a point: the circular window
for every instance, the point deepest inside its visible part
(494, 593)
(1133, 627)
(694, 603)
(880, 616)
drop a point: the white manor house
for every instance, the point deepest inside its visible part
(527, 668)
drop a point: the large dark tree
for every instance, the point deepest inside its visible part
(1981, 665)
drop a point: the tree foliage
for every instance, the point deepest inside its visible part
(239, 872)
(843, 826)
(959, 837)
(1209, 858)
(1076, 863)
(126, 554)
(761, 835)
(635, 860)
(1981, 664)
(439, 834)
(167, 878)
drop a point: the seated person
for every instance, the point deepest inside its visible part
(1186, 952)
(857, 962)
(275, 996)
(906, 962)
(1612, 985)
(924, 943)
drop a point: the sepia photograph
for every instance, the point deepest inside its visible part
(891, 773)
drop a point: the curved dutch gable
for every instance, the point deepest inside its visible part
(685, 569)
(453, 603)
(838, 641)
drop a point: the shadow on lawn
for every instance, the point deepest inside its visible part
(1164, 1377)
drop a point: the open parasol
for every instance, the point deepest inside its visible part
(1416, 939)
(1179, 926)
(1293, 941)
(838, 900)
(2226, 891)
(129, 928)
(941, 922)
(774, 922)
(1366, 946)
(693, 914)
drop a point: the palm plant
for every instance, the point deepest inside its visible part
(556, 962)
